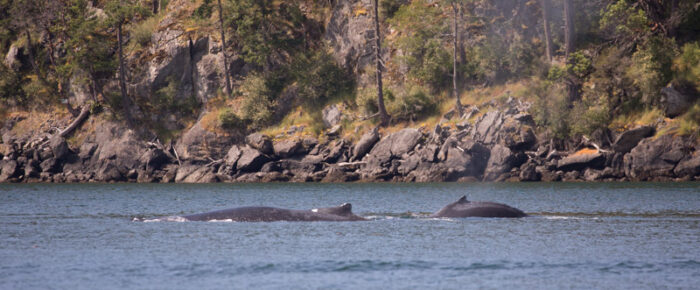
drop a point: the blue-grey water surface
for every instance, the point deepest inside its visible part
(602, 235)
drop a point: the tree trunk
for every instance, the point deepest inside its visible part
(547, 34)
(378, 50)
(455, 92)
(156, 6)
(223, 50)
(569, 30)
(126, 103)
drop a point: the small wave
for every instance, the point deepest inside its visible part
(178, 219)
(599, 214)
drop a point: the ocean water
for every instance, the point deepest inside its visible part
(578, 236)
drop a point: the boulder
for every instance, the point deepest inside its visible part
(30, 168)
(109, 172)
(251, 160)
(288, 148)
(654, 158)
(260, 142)
(528, 172)
(331, 115)
(582, 159)
(59, 147)
(630, 138)
(154, 158)
(234, 153)
(86, 150)
(8, 169)
(50, 165)
(689, 167)
(501, 160)
(675, 103)
(396, 144)
(365, 144)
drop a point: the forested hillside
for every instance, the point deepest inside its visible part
(200, 75)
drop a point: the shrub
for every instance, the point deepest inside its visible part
(229, 120)
(143, 31)
(258, 103)
(551, 109)
(686, 66)
(320, 80)
(651, 67)
(690, 122)
(410, 105)
(204, 11)
(366, 100)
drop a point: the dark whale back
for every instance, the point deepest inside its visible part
(464, 208)
(271, 214)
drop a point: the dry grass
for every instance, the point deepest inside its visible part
(585, 151)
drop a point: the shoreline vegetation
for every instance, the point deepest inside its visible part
(197, 91)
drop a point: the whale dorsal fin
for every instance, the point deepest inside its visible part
(343, 209)
(463, 199)
(346, 208)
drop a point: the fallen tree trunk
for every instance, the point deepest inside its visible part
(83, 115)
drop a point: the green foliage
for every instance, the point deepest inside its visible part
(387, 8)
(229, 120)
(651, 67)
(424, 54)
(143, 31)
(10, 86)
(366, 99)
(412, 104)
(166, 99)
(319, 79)
(588, 116)
(124, 11)
(266, 29)
(204, 11)
(624, 21)
(551, 109)
(687, 65)
(578, 65)
(690, 122)
(258, 104)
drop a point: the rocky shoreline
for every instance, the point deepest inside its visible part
(500, 145)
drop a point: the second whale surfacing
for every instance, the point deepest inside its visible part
(272, 214)
(464, 208)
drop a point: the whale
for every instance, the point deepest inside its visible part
(465, 208)
(339, 213)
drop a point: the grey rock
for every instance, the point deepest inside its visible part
(31, 168)
(675, 103)
(251, 160)
(331, 115)
(654, 158)
(580, 162)
(396, 144)
(630, 138)
(50, 165)
(87, 149)
(8, 169)
(234, 153)
(154, 158)
(59, 147)
(501, 160)
(528, 172)
(260, 142)
(109, 172)
(689, 167)
(365, 144)
(288, 148)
